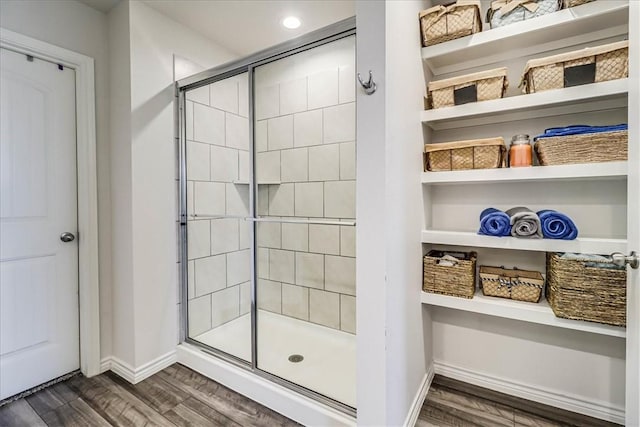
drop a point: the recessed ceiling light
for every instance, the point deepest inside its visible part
(291, 22)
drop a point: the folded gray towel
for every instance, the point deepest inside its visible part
(524, 223)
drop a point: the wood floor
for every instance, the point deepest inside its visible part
(178, 396)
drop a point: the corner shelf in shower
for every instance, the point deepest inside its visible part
(539, 313)
(586, 245)
(587, 23)
(259, 183)
(578, 99)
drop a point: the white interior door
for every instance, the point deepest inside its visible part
(39, 331)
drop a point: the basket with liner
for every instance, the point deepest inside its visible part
(584, 66)
(587, 287)
(582, 144)
(442, 23)
(450, 273)
(574, 3)
(482, 86)
(488, 153)
(520, 285)
(505, 12)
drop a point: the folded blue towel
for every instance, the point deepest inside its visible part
(580, 129)
(494, 222)
(556, 225)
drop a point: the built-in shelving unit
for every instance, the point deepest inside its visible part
(540, 313)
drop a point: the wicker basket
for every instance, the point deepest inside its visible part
(458, 280)
(521, 285)
(577, 290)
(443, 23)
(574, 3)
(589, 65)
(584, 148)
(487, 153)
(505, 12)
(482, 86)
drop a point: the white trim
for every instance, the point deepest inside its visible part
(557, 398)
(299, 408)
(418, 401)
(88, 279)
(135, 375)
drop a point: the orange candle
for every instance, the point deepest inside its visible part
(520, 153)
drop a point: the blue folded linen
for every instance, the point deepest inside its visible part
(556, 225)
(580, 129)
(494, 222)
(524, 223)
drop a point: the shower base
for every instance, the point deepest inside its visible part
(329, 356)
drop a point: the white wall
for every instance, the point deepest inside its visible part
(79, 28)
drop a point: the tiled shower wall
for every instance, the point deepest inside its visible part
(217, 128)
(305, 168)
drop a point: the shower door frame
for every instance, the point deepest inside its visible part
(331, 33)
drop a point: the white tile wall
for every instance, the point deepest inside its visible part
(269, 295)
(197, 161)
(295, 165)
(198, 239)
(262, 134)
(237, 200)
(268, 166)
(224, 235)
(324, 239)
(293, 96)
(323, 89)
(225, 306)
(280, 133)
(348, 313)
(295, 237)
(210, 274)
(307, 128)
(324, 163)
(309, 199)
(224, 95)
(199, 310)
(269, 235)
(208, 124)
(348, 241)
(191, 279)
(189, 120)
(281, 266)
(340, 199)
(340, 274)
(295, 301)
(245, 298)
(244, 166)
(200, 95)
(281, 200)
(224, 164)
(324, 308)
(347, 84)
(238, 267)
(237, 132)
(309, 270)
(209, 198)
(245, 233)
(340, 123)
(348, 160)
(263, 263)
(190, 201)
(267, 101)
(243, 95)
(263, 200)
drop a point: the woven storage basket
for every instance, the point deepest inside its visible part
(521, 285)
(574, 3)
(578, 291)
(589, 65)
(458, 280)
(487, 153)
(482, 86)
(443, 23)
(584, 148)
(505, 12)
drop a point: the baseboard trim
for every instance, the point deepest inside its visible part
(416, 405)
(574, 403)
(135, 375)
(299, 408)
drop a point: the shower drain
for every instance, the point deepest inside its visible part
(296, 358)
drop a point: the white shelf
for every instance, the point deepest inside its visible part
(577, 99)
(586, 23)
(589, 171)
(539, 313)
(580, 245)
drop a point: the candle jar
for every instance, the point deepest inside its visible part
(520, 153)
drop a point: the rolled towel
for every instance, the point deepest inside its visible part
(524, 223)
(556, 225)
(494, 222)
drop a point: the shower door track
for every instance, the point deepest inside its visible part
(337, 31)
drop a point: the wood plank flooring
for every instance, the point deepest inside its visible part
(178, 396)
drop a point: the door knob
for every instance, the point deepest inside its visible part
(67, 237)
(621, 259)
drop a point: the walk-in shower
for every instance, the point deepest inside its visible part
(268, 169)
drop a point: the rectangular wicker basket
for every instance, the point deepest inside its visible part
(506, 12)
(489, 153)
(440, 23)
(584, 148)
(576, 289)
(521, 285)
(482, 86)
(458, 280)
(574, 3)
(589, 65)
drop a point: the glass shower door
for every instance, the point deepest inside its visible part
(304, 151)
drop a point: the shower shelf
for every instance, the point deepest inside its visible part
(259, 183)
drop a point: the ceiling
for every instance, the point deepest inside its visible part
(101, 5)
(244, 27)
